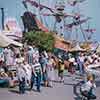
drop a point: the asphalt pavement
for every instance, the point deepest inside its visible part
(60, 91)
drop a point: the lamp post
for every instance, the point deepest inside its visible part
(2, 12)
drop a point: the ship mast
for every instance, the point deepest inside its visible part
(39, 11)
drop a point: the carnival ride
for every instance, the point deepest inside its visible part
(57, 11)
(74, 2)
(59, 14)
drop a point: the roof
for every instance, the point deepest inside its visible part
(5, 41)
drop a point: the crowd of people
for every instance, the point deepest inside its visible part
(29, 67)
(34, 68)
(87, 64)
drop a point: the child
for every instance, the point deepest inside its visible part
(87, 88)
(50, 72)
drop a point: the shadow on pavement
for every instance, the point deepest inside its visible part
(69, 84)
(14, 91)
(77, 98)
(67, 75)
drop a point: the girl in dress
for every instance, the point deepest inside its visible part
(50, 72)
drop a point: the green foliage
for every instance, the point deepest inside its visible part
(45, 41)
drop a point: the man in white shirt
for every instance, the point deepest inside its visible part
(37, 71)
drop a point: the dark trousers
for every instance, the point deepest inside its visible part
(44, 76)
(38, 81)
(32, 81)
(81, 68)
(22, 86)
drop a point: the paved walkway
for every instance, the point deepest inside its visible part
(60, 91)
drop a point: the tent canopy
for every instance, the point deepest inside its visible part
(77, 48)
(98, 49)
(5, 41)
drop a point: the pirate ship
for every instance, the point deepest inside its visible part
(63, 22)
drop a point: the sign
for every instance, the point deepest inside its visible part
(12, 29)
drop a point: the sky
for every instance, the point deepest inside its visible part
(90, 8)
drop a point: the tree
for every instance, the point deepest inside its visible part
(44, 41)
